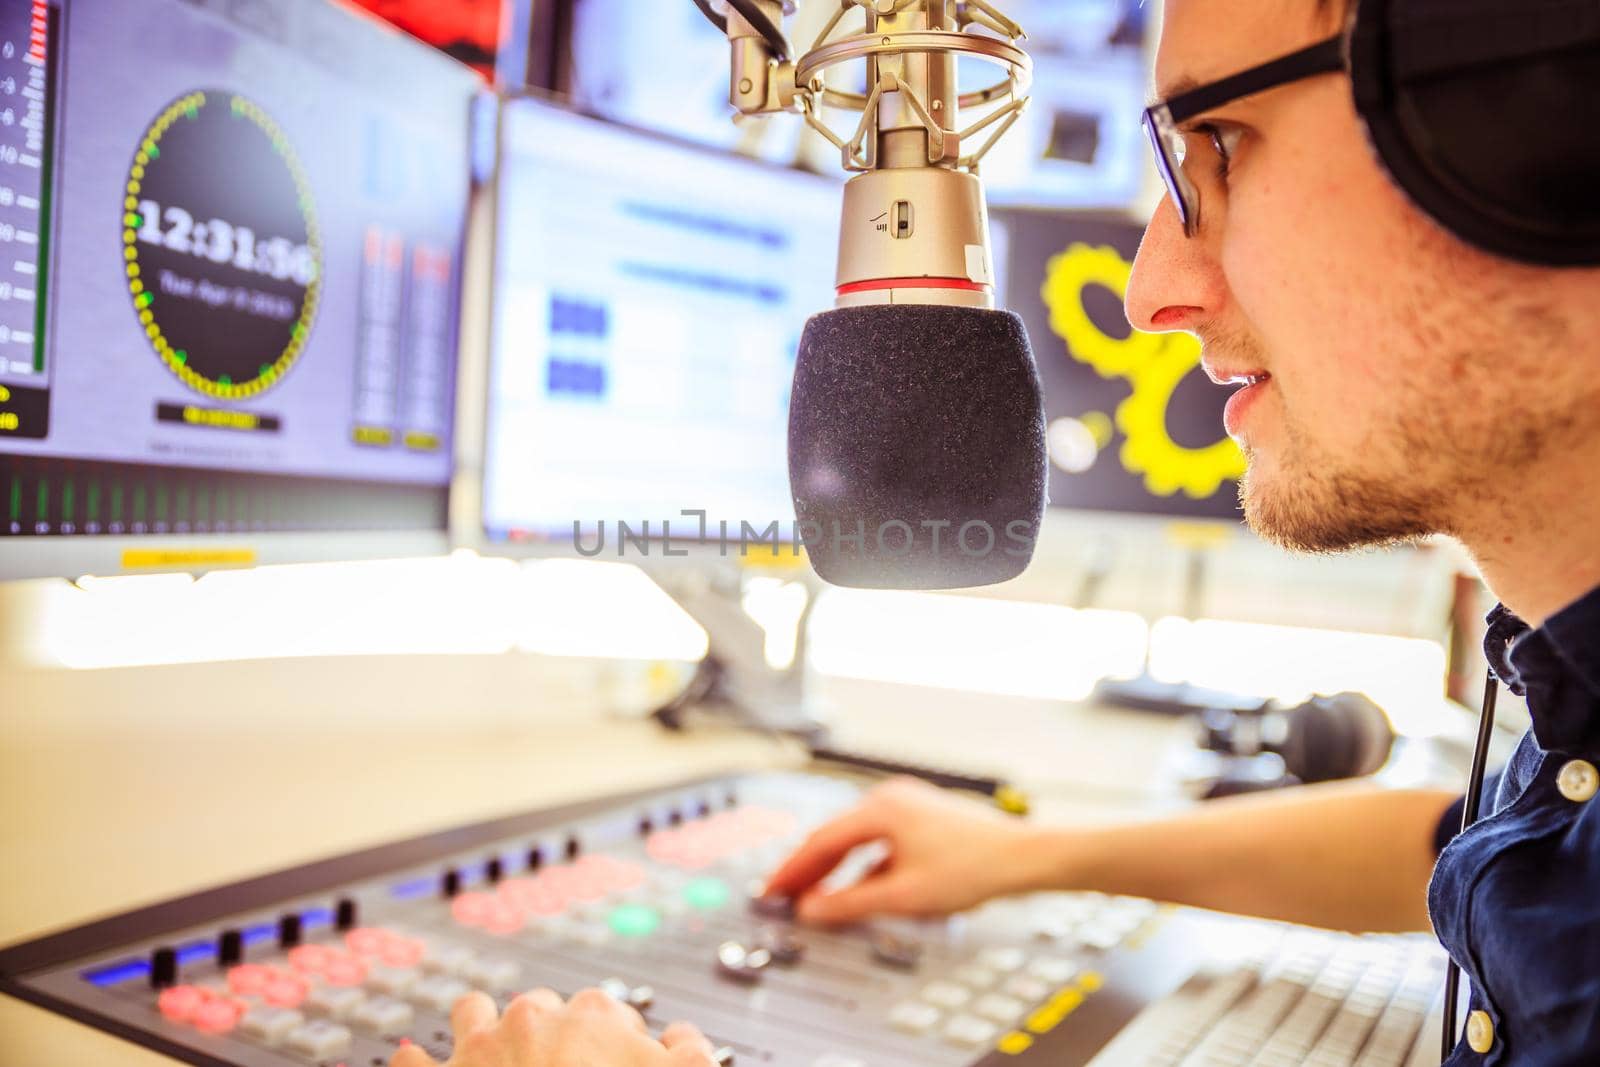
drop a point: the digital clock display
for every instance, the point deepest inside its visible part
(221, 247)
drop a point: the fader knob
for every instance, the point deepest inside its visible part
(785, 949)
(901, 953)
(741, 964)
(494, 869)
(772, 907)
(163, 967)
(289, 930)
(450, 885)
(230, 948)
(344, 915)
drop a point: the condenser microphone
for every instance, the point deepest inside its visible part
(916, 428)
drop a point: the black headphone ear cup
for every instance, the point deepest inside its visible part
(1485, 114)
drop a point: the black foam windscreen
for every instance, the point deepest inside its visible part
(1484, 113)
(1333, 737)
(916, 446)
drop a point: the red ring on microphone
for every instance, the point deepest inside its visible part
(877, 284)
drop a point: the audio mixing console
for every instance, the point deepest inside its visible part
(649, 896)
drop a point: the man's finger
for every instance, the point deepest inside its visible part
(412, 1056)
(822, 851)
(870, 897)
(686, 1036)
(603, 1003)
(473, 1012)
(524, 1014)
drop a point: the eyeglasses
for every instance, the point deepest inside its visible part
(1161, 121)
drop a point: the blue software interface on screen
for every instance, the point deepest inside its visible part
(649, 299)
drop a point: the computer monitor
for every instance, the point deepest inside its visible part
(663, 67)
(229, 284)
(649, 297)
(1080, 144)
(1134, 424)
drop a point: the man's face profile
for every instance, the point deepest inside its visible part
(1413, 378)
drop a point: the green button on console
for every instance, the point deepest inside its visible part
(707, 894)
(633, 920)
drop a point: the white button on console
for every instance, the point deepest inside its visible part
(335, 1001)
(392, 980)
(1101, 935)
(269, 1024)
(494, 975)
(1001, 959)
(319, 1040)
(946, 994)
(1000, 1009)
(976, 977)
(968, 1032)
(1029, 989)
(448, 959)
(913, 1017)
(439, 993)
(1052, 969)
(383, 1015)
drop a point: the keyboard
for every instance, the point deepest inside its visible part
(1302, 998)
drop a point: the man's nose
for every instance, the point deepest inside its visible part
(1175, 285)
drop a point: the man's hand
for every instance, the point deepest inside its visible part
(539, 1030)
(946, 853)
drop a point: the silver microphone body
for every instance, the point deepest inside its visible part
(916, 431)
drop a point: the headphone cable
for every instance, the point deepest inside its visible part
(1469, 815)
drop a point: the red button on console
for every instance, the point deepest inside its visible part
(345, 971)
(217, 1016)
(310, 958)
(179, 1002)
(249, 979)
(285, 992)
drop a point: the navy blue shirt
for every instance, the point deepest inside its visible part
(1516, 898)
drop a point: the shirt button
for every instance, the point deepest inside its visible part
(1480, 1031)
(1578, 781)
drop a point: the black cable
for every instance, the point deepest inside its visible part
(1469, 815)
(763, 25)
(757, 18)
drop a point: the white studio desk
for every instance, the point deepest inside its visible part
(121, 788)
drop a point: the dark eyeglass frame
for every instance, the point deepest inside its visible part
(1161, 120)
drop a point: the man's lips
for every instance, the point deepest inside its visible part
(1226, 374)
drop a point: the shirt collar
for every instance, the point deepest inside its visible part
(1556, 667)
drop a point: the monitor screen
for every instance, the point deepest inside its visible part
(230, 240)
(649, 299)
(1134, 424)
(1079, 144)
(663, 67)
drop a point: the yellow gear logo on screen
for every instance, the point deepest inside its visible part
(1153, 364)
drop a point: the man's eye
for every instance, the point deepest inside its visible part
(1222, 141)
